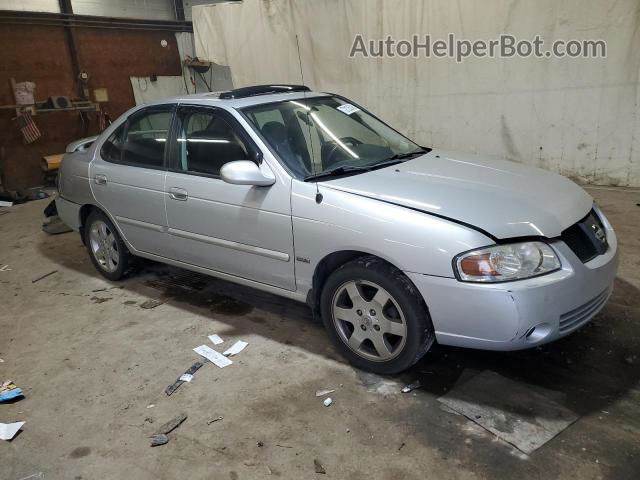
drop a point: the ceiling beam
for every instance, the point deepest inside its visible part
(90, 21)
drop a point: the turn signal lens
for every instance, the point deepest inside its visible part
(502, 263)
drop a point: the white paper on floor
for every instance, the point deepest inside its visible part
(215, 339)
(235, 348)
(9, 430)
(213, 356)
(186, 377)
(527, 417)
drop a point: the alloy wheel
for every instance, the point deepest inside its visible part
(104, 246)
(369, 320)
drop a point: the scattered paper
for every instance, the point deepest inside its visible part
(9, 430)
(235, 348)
(213, 356)
(4, 203)
(186, 377)
(322, 393)
(215, 339)
(327, 401)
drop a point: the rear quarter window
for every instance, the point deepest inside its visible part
(112, 147)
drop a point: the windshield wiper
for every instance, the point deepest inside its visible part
(397, 158)
(404, 156)
(334, 172)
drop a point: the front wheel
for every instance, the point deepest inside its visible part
(376, 316)
(108, 252)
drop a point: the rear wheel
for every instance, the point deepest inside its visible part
(108, 252)
(376, 316)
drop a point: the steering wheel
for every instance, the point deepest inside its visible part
(335, 148)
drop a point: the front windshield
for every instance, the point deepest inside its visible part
(320, 134)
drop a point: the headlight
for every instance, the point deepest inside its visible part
(502, 263)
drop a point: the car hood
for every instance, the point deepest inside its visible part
(503, 198)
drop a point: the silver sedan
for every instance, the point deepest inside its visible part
(309, 196)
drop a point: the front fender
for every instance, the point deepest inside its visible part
(412, 241)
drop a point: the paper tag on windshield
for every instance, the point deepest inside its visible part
(348, 109)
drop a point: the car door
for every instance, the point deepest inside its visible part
(241, 230)
(127, 178)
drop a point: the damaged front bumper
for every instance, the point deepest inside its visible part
(525, 313)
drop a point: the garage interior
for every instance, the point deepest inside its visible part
(94, 358)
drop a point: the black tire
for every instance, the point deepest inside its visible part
(419, 333)
(124, 258)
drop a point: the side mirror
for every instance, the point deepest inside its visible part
(245, 172)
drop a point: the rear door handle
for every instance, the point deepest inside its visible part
(178, 194)
(100, 179)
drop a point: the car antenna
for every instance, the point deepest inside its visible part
(304, 94)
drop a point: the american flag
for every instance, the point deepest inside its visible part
(28, 127)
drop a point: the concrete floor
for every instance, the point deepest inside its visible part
(91, 361)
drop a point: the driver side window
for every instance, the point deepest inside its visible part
(206, 141)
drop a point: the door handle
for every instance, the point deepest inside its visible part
(178, 194)
(100, 179)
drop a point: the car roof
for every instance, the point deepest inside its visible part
(213, 98)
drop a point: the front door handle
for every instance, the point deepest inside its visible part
(178, 194)
(100, 179)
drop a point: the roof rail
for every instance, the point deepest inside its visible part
(262, 90)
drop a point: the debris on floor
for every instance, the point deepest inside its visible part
(149, 304)
(99, 300)
(5, 268)
(161, 436)
(213, 356)
(328, 401)
(55, 226)
(318, 467)
(174, 386)
(35, 476)
(9, 430)
(630, 360)
(322, 393)
(42, 277)
(526, 417)
(235, 348)
(186, 377)
(411, 387)
(214, 420)
(171, 425)
(9, 391)
(215, 339)
(160, 439)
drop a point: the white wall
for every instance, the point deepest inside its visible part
(579, 117)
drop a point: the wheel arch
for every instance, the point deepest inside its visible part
(326, 266)
(87, 209)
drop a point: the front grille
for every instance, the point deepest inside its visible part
(587, 238)
(579, 316)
